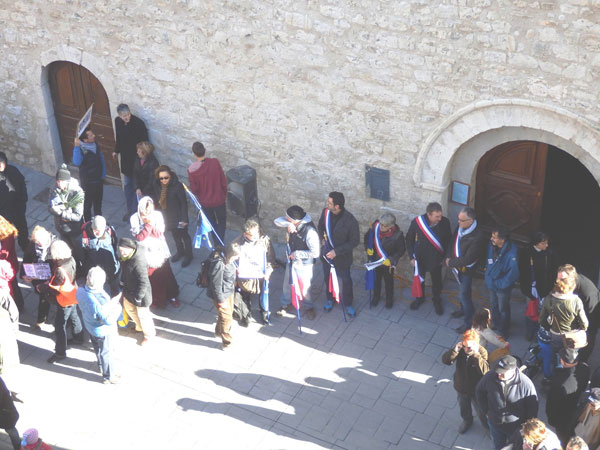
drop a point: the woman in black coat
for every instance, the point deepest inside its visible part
(170, 198)
(143, 169)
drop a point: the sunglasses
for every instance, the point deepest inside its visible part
(164, 178)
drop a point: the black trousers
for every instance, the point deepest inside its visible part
(21, 226)
(382, 273)
(183, 241)
(93, 197)
(218, 218)
(436, 284)
(345, 281)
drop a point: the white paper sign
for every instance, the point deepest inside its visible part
(85, 121)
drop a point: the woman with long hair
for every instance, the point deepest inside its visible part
(143, 169)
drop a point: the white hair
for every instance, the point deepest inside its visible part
(60, 250)
(96, 278)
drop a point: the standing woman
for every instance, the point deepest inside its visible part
(169, 196)
(221, 288)
(8, 251)
(148, 228)
(143, 169)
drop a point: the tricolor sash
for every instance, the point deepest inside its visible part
(459, 235)
(328, 234)
(429, 234)
(417, 288)
(374, 243)
(333, 286)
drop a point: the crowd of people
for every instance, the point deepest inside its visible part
(94, 279)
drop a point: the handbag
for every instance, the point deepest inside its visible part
(574, 339)
(532, 312)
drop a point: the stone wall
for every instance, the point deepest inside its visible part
(306, 92)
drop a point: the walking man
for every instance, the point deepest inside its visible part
(129, 131)
(462, 258)
(471, 365)
(427, 239)
(209, 185)
(339, 230)
(92, 171)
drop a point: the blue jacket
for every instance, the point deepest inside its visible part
(92, 168)
(99, 313)
(503, 272)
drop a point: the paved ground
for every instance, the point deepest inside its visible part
(375, 382)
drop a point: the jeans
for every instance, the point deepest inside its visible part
(93, 197)
(183, 241)
(466, 302)
(548, 358)
(102, 347)
(344, 279)
(130, 196)
(305, 273)
(501, 434)
(63, 314)
(218, 219)
(500, 303)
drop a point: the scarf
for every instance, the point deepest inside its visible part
(41, 252)
(162, 201)
(88, 147)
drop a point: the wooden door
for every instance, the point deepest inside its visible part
(510, 187)
(74, 89)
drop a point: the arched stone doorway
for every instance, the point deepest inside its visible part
(73, 89)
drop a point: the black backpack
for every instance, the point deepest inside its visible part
(202, 278)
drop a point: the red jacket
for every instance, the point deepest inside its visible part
(208, 182)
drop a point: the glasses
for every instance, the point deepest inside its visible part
(164, 178)
(464, 220)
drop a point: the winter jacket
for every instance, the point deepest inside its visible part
(151, 235)
(143, 174)
(58, 276)
(99, 313)
(472, 251)
(304, 243)
(67, 208)
(417, 244)
(32, 254)
(92, 169)
(345, 235)
(507, 403)
(13, 193)
(136, 284)
(469, 369)
(589, 294)
(177, 209)
(393, 245)
(545, 265)
(565, 308)
(8, 412)
(566, 387)
(208, 182)
(501, 272)
(252, 255)
(221, 278)
(100, 251)
(127, 138)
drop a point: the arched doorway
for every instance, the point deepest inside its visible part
(528, 185)
(74, 89)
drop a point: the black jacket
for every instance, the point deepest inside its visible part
(345, 235)
(472, 251)
(469, 369)
(30, 256)
(13, 193)
(143, 175)
(590, 297)
(393, 245)
(127, 138)
(177, 210)
(100, 251)
(417, 244)
(221, 278)
(517, 402)
(545, 265)
(8, 413)
(566, 387)
(136, 285)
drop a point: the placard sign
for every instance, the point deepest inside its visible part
(85, 121)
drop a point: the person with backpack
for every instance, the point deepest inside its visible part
(221, 288)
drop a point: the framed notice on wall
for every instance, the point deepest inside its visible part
(460, 193)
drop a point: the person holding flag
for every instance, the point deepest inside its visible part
(303, 248)
(384, 244)
(339, 229)
(468, 246)
(427, 239)
(255, 266)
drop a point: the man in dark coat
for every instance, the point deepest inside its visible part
(462, 258)
(339, 231)
(590, 297)
(129, 130)
(566, 386)
(13, 199)
(99, 242)
(92, 171)
(9, 416)
(427, 239)
(137, 293)
(471, 365)
(538, 264)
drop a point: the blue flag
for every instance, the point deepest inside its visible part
(202, 238)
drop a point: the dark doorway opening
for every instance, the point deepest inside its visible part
(571, 212)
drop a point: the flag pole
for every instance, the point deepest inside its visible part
(201, 215)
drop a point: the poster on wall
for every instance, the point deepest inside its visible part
(85, 121)
(460, 193)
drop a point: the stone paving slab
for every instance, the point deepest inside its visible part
(374, 382)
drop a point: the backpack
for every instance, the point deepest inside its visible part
(202, 278)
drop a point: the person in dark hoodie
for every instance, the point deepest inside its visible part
(589, 294)
(170, 198)
(92, 171)
(221, 288)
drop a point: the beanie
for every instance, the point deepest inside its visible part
(63, 173)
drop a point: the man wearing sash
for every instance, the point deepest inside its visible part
(426, 240)
(467, 249)
(339, 230)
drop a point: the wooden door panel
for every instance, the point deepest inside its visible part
(510, 184)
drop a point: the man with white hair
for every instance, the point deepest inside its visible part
(100, 314)
(99, 242)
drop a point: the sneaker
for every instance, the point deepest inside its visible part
(416, 304)
(458, 313)
(55, 358)
(464, 426)
(310, 314)
(113, 380)
(328, 305)
(287, 311)
(186, 261)
(176, 257)
(350, 311)
(175, 303)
